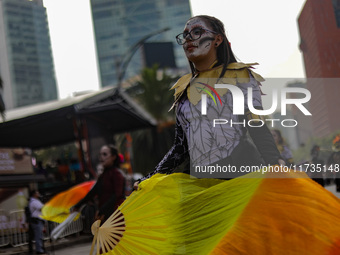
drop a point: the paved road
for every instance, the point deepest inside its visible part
(76, 249)
(72, 245)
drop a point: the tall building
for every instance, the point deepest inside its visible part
(26, 63)
(303, 130)
(319, 25)
(120, 24)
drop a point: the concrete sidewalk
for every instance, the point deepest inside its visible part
(52, 248)
(76, 249)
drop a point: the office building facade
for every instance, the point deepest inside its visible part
(26, 63)
(121, 24)
(319, 27)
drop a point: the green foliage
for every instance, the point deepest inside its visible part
(152, 92)
(51, 154)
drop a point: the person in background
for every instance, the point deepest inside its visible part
(37, 223)
(75, 170)
(283, 148)
(63, 170)
(110, 186)
(30, 233)
(317, 164)
(40, 169)
(333, 162)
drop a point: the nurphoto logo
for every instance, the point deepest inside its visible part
(239, 102)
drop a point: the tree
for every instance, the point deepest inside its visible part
(2, 104)
(152, 92)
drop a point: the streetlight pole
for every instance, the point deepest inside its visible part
(2, 104)
(122, 65)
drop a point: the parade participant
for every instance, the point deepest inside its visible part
(333, 161)
(212, 61)
(37, 223)
(243, 215)
(282, 146)
(315, 163)
(110, 186)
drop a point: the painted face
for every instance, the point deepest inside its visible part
(204, 46)
(105, 157)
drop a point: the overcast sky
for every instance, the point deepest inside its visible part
(263, 31)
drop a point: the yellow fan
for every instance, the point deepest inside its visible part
(142, 224)
(270, 213)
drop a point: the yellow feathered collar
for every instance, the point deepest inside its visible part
(236, 73)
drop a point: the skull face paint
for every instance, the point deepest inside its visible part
(202, 47)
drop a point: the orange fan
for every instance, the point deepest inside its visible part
(58, 208)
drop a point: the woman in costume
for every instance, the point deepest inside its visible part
(110, 186)
(177, 214)
(197, 137)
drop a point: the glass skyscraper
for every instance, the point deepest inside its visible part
(26, 63)
(120, 24)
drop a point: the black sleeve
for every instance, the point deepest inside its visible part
(264, 142)
(107, 208)
(175, 156)
(93, 192)
(118, 181)
(260, 135)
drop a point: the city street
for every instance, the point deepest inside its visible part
(77, 249)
